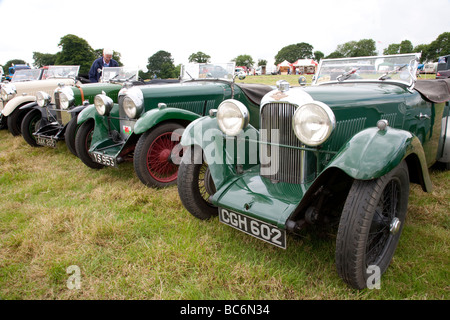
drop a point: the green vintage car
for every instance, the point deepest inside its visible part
(51, 120)
(146, 124)
(342, 152)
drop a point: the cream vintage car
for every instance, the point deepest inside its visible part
(19, 98)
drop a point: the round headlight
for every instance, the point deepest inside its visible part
(66, 98)
(133, 103)
(42, 99)
(313, 123)
(8, 92)
(4, 95)
(103, 104)
(232, 117)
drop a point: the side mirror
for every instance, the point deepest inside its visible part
(241, 76)
(302, 81)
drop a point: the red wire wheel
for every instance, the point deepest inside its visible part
(159, 163)
(155, 157)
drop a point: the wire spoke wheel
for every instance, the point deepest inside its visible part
(154, 155)
(385, 215)
(196, 185)
(159, 163)
(371, 224)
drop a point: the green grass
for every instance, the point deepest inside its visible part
(133, 242)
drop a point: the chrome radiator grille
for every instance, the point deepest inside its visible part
(57, 101)
(280, 163)
(62, 116)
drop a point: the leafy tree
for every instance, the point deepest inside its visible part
(334, 55)
(244, 60)
(425, 50)
(318, 55)
(361, 48)
(10, 63)
(403, 47)
(294, 52)
(199, 57)
(262, 62)
(406, 47)
(43, 59)
(161, 65)
(75, 51)
(393, 48)
(116, 56)
(439, 47)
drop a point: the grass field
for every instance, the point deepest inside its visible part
(132, 242)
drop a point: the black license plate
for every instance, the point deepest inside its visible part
(46, 142)
(104, 159)
(257, 228)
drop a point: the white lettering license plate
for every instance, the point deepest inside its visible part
(257, 228)
(104, 159)
(46, 142)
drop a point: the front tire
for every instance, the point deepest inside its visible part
(195, 185)
(70, 134)
(31, 124)
(3, 122)
(153, 156)
(83, 143)
(14, 121)
(370, 225)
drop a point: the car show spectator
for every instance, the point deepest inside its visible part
(104, 61)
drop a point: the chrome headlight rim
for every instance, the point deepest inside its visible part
(8, 92)
(133, 103)
(232, 109)
(103, 104)
(66, 98)
(316, 114)
(43, 99)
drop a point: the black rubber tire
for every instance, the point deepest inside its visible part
(14, 121)
(360, 219)
(82, 144)
(30, 124)
(157, 144)
(195, 185)
(70, 135)
(3, 122)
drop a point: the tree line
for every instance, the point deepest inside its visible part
(77, 51)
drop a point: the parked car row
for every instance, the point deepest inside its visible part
(267, 160)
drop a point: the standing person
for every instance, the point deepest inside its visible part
(103, 62)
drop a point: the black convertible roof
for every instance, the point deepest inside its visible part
(434, 90)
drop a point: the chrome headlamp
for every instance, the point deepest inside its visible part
(133, 103)
(103, 104)
(8, 92)
(43, 99)
(313, 123)
(232, 117)
(66, 97)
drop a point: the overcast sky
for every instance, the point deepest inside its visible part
(221, 29)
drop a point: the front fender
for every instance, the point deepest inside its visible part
(372, 153)
(16, 102)
(77, 110)
(222, 153)
(155, 116)
(87, 113)
(31, 105)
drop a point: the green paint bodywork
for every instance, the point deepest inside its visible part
(90, 90)
(185, 102)
(356, 147)
(153, 117)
